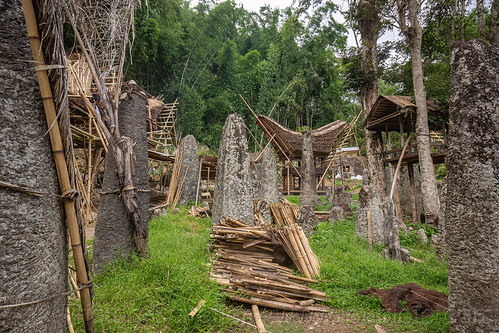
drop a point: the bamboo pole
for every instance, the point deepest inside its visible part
(199, 180)
(89, 173)
(369, 231)
(60, 161)
(258, 319)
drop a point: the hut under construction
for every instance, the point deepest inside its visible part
(288, 146)
(398, 114)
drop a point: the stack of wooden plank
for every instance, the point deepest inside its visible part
(292, 237)
(246, 266)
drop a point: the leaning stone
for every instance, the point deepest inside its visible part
(232, 182)
(368, 201)
(189, 170)
(306, 219)
(336, 213)
(422, 236)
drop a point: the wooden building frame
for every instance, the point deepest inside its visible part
(398, 114)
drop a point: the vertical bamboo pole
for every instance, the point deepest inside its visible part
(89, 173)
(199, 181)
(60, 161)
(369, 230)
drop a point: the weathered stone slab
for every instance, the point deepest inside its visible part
(342, 197)
(472, 205)
(114, 231)
(368, 201)
(233, 193)
(33, 233)
(308, 196)
(268, 188)
(189, 170)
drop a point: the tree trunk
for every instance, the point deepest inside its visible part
(368, 21)
(494, 23)
(116, 233)
(33, 241)
(472, 214)
(429, 191)
(481, 18)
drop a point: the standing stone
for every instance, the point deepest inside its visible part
(472, 205)
(368, 201)
(114, 231)
(33, 241)
(336, 213)
(189, 170)
(232, 183)
(306, 216)
(268, 184)
(329, 195)
(391, 230)
(341, 197)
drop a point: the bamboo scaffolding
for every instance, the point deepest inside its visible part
(60, 161)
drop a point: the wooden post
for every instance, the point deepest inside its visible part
(289, 180)
(60, 161)
(415, 216)
(392, 171)
(401, 131)
(369, 230)
(199, 181)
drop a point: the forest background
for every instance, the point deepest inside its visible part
(291, 64)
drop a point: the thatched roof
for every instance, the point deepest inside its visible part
(323, 138)
(388, 110)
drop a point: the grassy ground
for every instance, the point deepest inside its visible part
(156, 294)
(348, 265)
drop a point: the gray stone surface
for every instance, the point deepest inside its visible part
(189, 170)
(33, 241)
(472, 205)
(368, 201)
(114, 231)
(329, 195)
(232, 184)
(354, 163)
(342, 197)
(308, 196)
(268, 188)
(336, 213)
(422, 236)
(391, 230)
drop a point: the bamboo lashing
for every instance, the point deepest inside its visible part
(60, 161)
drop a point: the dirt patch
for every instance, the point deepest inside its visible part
(312, 322)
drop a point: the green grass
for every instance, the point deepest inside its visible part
(348, 266)
(157, 293)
